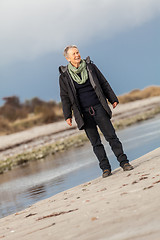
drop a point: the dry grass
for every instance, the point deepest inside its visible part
(5, 127)
(122, 123)
(30, 121)
(15, 116)
(137, 94)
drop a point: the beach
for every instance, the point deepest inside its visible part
(80, 96)
(38, 142)
(123, 206)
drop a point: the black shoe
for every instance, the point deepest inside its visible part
(106, 173)
(127, 167)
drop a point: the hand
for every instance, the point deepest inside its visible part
(114, 104)
(69, 121)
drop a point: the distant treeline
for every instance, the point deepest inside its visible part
(16, 116)
(13, 109)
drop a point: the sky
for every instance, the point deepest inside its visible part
(121, 37)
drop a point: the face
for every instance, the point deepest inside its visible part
(74, 56)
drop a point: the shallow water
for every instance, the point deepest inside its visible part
(38, 180)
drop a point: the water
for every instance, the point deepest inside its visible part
(38, 180)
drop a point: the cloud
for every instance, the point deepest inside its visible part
(31, 28)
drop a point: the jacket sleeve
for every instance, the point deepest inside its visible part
(66, 104)
(106, 88)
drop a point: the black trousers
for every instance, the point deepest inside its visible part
(97, 116)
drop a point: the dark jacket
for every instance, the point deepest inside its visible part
(68, 92)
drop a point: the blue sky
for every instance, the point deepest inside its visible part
(121, 37)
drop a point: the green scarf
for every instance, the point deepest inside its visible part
(81, 69)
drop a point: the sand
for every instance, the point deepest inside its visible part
(123, 206)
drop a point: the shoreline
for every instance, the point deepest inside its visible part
(75, 140)
(34, 144)
(123, 206)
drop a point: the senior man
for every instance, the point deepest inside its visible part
(85, 91)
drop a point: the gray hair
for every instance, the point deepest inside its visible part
(65, 53)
